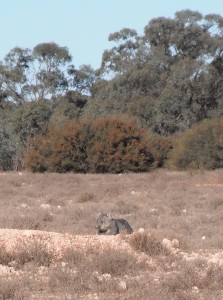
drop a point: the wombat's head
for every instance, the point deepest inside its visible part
(104, 222)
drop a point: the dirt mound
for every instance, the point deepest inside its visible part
(58, 243)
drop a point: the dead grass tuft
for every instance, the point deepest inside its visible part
(5, 256)
(214, 278)
(183, 280)
(33, 251)
(115, 263)
(147, 243)
(125, 208)
(74, 257)
(25, 222)
(86, 197)
(94, 272)
(15, 289)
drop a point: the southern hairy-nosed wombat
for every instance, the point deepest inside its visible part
(109, 226)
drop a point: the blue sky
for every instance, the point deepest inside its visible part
(83, 26)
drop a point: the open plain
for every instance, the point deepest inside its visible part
(49, 247)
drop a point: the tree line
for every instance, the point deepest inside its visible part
(161, 84)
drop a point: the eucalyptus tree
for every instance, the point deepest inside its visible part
(29, 79)
(83, 79)
(124, 53)
(176, 65)
(36, 74)
(194, 89)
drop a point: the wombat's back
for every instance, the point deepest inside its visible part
(123, 226)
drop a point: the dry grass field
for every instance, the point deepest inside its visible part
(49, 247)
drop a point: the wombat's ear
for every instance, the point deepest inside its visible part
(109, 214)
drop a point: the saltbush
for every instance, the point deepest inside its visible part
(160, 147)
(119, 145)
(199, 147)
(102, 145)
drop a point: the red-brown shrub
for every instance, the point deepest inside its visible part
(104, 145)
(160, 147)
(119, 145)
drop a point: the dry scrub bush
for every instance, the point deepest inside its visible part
(76, 285)
(93, 271)
(190, 275)
(86, 197)
(14, 289)
(26, 222)
(124, 208)
(181, 282)
(115, 263)
(66, 280)
(5, 256)
(74, 257)
(200, 147)
(214, 278)
(147, 243)
(33, 251)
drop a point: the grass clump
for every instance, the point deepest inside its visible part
(15, 289)
(147, 243)
(115, 263)
(5, 256)
(34, 251)
(93, 272)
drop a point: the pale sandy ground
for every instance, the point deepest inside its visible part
(58, 243)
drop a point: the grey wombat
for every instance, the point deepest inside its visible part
(109, 226)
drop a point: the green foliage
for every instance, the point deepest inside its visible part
(36, 74)
(68, 107)
(200, 147)
(143, 109)
(37, 156)
(83, 78)
(99, 146)
(122, 56)
(7, 140)
(27, 121)
(30, 119)
(167, 65)
(51, 54)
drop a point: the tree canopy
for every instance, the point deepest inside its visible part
(168, 79)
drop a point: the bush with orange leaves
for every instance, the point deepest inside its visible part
(102, 145)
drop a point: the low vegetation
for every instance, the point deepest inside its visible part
(148, 244)
(200, 147)
(160, 205)
(105, 145)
